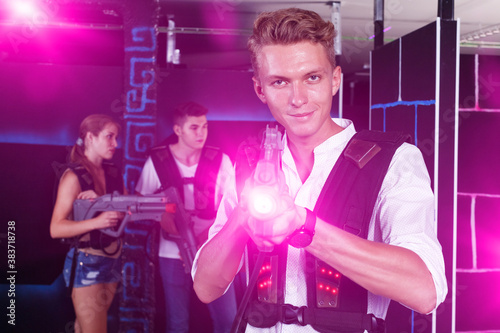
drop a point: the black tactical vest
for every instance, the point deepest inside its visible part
(335, 303)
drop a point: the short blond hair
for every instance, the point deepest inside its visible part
(290, 26)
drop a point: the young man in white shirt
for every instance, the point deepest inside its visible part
(200, 174)
(400, 258)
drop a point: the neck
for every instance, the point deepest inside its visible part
(302, 148)
(185, 155)
(304, 159)
(95, 161)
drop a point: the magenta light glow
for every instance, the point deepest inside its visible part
(23, 9)
(386, 29)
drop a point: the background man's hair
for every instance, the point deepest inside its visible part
(290, 26)
(182, 111)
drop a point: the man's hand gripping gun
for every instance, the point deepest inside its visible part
(264, 196)
(136, 208)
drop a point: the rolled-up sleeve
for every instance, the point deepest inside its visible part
(406, 212)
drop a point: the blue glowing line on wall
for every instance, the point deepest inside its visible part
(406, 103)
(136, 38)
(388, 105)
(144, 322)
(416, 118)
(143, 85)
(126, 175)
(129, 270)
(137, 138)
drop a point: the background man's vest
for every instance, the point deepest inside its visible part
(204, 181)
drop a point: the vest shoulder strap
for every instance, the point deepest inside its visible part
(84, 177)
(167, 170)
(356, 178)
(205, 181)
(114, 179)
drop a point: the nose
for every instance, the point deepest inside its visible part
(114, 143)
(201, 132)
(299, 95)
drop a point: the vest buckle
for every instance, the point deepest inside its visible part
(291, 314)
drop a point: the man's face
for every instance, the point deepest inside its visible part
(297, 83)
(193, 132)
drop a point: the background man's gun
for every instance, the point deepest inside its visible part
(185, 240)
(136, 208)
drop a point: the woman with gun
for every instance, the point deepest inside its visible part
(92, 266)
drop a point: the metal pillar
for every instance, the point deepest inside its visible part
(379, 23)
(446, 9)
(336, 20)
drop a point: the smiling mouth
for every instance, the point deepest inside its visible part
(302, 115)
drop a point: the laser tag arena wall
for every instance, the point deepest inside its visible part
(414, 89)
(47, 89)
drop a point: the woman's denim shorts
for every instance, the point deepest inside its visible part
(92, 269)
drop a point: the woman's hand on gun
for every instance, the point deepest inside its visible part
(89, 194)
(108, 219)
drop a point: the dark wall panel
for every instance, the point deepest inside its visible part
(475, 312)
(488, 233)
(489, 82)
(467, 93)
(479, 152)
(418, 64)
(464, 233)
(387, 60)
(29, 179)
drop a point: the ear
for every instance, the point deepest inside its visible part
(258, 90)
(336, 80)
(177, 130)
(88, 137)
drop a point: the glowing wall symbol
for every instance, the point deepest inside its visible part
(147, 78)
(141, 77)
(140, 118)
(140, 35)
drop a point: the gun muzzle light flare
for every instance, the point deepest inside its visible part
(263, 202)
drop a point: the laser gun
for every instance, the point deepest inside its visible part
(264, 195)
(135, 207)
(147, 207)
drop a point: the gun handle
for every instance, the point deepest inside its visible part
(118, 232)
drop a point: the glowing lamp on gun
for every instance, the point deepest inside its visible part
(263, 202)
(263, 198)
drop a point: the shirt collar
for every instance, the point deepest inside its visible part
(336, 140)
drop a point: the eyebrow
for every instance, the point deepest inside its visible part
(273, 77)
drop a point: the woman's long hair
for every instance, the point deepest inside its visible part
(94, 124)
